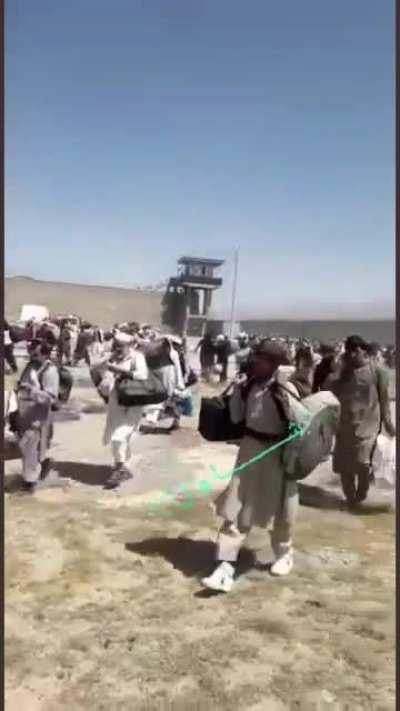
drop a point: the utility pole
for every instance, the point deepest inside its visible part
(234, 288)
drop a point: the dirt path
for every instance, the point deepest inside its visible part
(104, 610)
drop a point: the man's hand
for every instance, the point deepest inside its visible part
(390, 429)
(114, 369)
(241, 379)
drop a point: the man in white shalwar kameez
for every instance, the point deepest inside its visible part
(122, 422)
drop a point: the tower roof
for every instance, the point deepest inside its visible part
(200, 260)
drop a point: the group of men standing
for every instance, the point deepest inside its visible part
(354, 370)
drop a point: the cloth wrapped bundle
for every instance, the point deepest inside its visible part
(318, 415)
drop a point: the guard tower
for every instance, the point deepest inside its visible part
(192, 289)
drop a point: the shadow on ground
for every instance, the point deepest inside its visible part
(12, 484)
(316, 497)
(85, 473)
(319, 498)
(11, 451)
(194, 559)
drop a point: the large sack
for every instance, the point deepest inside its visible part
(303, 454)
(156, 354)
(18, 333)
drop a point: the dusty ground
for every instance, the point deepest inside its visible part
(104, 608)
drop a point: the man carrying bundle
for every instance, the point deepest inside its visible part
(259, 495)
(37, 391)
(362, 388)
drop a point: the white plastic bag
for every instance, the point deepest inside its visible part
(384, 459)
(106, 384)
(10, 403)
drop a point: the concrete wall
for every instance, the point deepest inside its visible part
(102, 306)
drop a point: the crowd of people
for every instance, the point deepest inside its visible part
(126, 351)
(353, 370)
(216, 350)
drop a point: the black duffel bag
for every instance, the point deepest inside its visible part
(133, 393)
(215, 423)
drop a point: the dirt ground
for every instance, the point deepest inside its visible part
(104, 610)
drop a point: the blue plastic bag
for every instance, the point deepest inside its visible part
(185, 405)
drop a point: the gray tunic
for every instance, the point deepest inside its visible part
(35, 422)
(364, 398)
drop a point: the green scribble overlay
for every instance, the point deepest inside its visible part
(154, 507)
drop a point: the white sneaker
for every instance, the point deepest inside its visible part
(283, 565)
(221, 579)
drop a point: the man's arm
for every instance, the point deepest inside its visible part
(384, 400)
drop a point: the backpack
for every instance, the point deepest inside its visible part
(156, 355)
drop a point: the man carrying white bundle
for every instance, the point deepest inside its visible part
(362, 389)
(37, 390)
(258, 495)
(122, 422)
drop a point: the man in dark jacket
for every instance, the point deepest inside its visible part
(223, 348)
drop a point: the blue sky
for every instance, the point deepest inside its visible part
(141, 130)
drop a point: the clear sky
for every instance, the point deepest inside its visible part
(141, 130)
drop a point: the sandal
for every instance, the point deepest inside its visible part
(118, 476)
